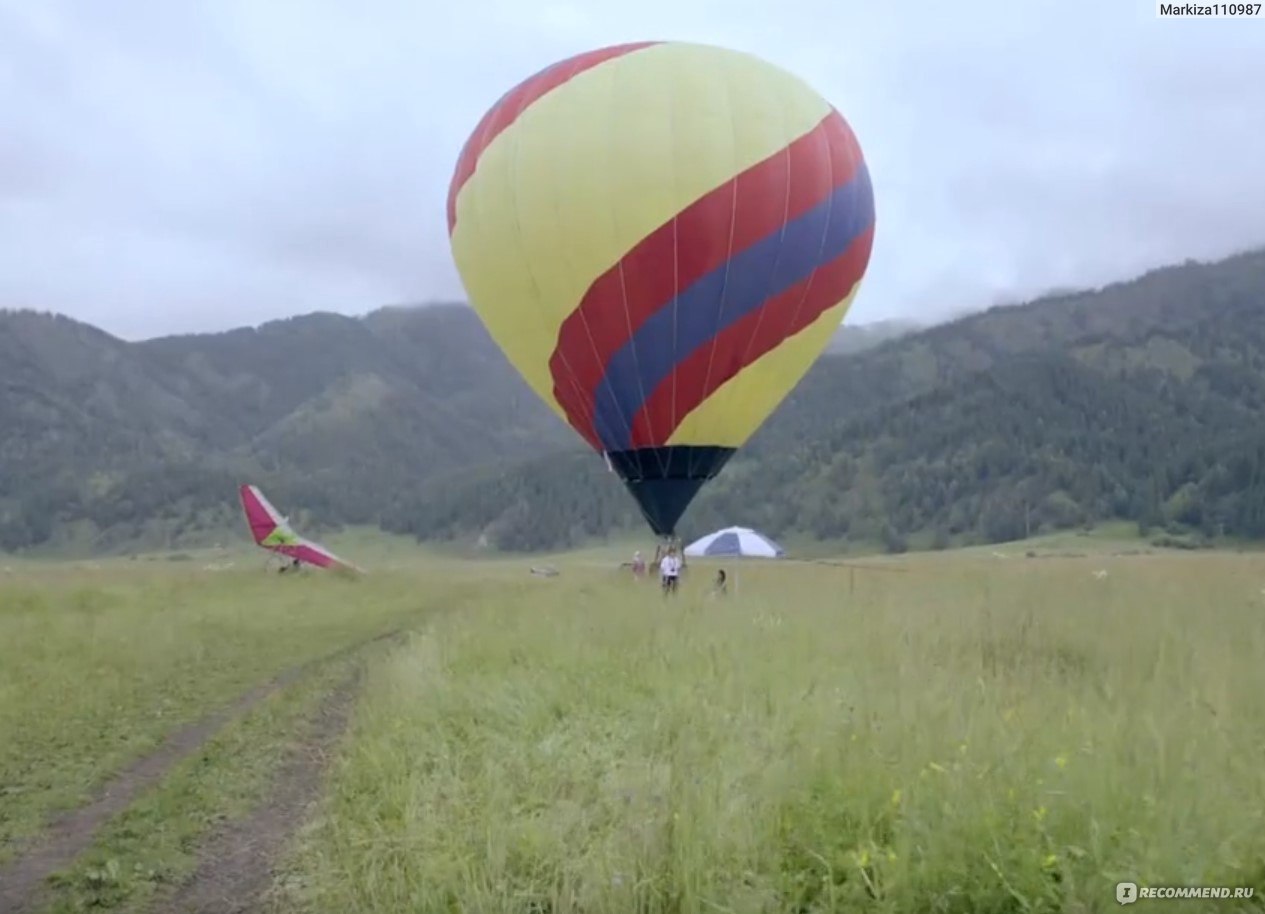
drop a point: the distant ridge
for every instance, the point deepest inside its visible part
(1140, 401)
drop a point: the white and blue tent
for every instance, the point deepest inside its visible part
(736, 542)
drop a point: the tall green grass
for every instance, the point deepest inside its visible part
(957, 736)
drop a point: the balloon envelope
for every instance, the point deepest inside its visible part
(662, 237)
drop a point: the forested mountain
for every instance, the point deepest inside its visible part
(334, 414)
(1142, 400)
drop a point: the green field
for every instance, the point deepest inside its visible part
(943, 732)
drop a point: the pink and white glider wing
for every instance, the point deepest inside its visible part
(272, 531)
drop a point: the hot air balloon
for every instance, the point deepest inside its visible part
(662, 237)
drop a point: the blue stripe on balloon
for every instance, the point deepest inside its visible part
(746, 281)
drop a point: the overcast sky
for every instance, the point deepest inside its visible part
(185, 165)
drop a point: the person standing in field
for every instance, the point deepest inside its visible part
(670, 570)
(638, 565)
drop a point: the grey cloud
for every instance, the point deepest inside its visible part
(189, 166)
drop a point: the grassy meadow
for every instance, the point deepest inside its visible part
(936, 734)
(949, 732)
(98, 662)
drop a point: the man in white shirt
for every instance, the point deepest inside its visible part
(670, 570)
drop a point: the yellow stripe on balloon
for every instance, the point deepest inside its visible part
(575, 182)
(729, 416)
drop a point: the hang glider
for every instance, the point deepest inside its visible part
(272, 531)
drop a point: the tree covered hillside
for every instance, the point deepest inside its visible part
(335, 415)
(1141, 401)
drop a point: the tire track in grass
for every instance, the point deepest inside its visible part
(236, 866)
(23, 878)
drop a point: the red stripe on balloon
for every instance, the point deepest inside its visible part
(701, 373)
(503, 114)
(751, 206)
